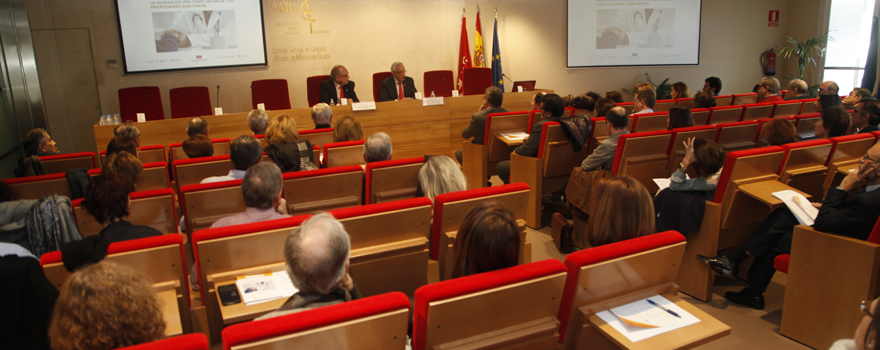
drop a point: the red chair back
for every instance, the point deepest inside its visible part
(192, 341)
(273, 93)
(313, 88)
(438, 81)
(724, 100)
(333, 156)
(476, 80)
(192, 101)
(141, 99)
(730, 165)
(377, 83)
(726, 114)
(741, 99)
(60, 163)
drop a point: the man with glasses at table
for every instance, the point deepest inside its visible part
(398, 86)
(337, 87)
(854, 217)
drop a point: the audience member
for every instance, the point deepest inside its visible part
(768, 90)
(646, 86)
(712, 85)
(122, 143)
(129, 130)
(492, 100)
(317, 255)
(865, 117)
(488, 240)
(37, 142)
(583, 102)
(621, 209)
(603, 105)
(285, 149)
(778, 132)
(125, 166)
(377, 148)
(680, 90)
(107, 200)
(594, 95)
(644, 102)
(552, 109)
(797, 90)
(257, 121)
(833, 122)
(866, 333)
(106, 306)
(197, 126)
(826, 100)
(263, 193)
(337, 87)
(854, 218)
(829, 87)
(244, 152)
(439, 175)
(615, 96)
(679, 117)
(536, 99)
(198, 146)
(856, 96)
(603, 156)
(322, 116)
(707, 158)
(348, 129)
(704, 99)
(28, 298)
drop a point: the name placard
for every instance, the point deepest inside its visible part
(432, 101)
(141, 117)
(363, 106)
(218, 110)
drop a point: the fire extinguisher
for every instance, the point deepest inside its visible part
(768, 61)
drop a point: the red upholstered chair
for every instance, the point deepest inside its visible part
(63, 162)
(806, 125)
(803, 166)
(192, 341)
(650, 121)
(377, 83)
(743, 99)
(782, 93)
(343, 153)
(141, 99)
(820, 266)
(377, 322)
(643, 156)
(787, 108)
(845, 154)
(389, 245)
(154, 208)
(203, 204)
(761, 123)
(193, 171)
(663, 105)
(701, 116)
(726, 114)
(619, 273)
(313, 89)
(161, 258)
(149, 154)
(35, 187)
(677, 150)
(323, 189)
(479, 161)
(273, 93)
(192, 101)
(685, 102)
(451, 208)
(756, 111)
(723, 100)
(221, 254)
(438, 81)
(476, 80)
(737, 136)
(514, 307)
(392, 179)
(154, 177)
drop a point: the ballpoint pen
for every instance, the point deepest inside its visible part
(663, 308)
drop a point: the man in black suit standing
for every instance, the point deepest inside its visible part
(397, 84)
(854, 217)
(338, 86)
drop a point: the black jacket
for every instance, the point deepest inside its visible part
(388, 89)
(328, 91)
(93, 249)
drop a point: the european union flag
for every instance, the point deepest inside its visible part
(497, 79)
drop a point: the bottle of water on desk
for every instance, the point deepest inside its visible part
(117, 119)
(432, 94)
(332, 103)
(103, 120)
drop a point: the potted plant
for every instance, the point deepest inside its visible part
(663, 90)
(806, 53)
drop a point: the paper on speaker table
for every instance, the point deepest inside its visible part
(257, 289)
(799, 205)
(655, 320)
(515, 136)
(432, 101)
(363, 106)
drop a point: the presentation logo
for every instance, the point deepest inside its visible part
(291, 6)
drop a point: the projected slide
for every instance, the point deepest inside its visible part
(160, 35)
(633, 33)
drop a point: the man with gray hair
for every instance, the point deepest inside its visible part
(377, 148)
(322, 116)
(245, 151)
(398, 86)
(258, 120)
(197, 126)
(263, 195)
(797, 90)
(855, 97)
(768, 90)
(317, 256)
(127, 129)
(603, 156)
(337, 87)
(492, 100)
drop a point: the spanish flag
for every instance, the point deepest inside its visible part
(479, 58)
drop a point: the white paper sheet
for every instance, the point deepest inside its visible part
(663, 183)
(799, 205)
(515, 136)
(644, 311)
(363, 106)
(432, 101)
(257, 289)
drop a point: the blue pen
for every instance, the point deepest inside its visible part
(663, 308)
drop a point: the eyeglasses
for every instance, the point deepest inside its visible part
(867, 157)
(865, 308)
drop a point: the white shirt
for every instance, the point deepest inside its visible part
(233, 175)
(338, 91)
(647, 110)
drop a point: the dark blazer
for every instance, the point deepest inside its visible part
(328, 91)
(869, 128)
(92, 249)
(477, 127)
(533, 144)
(388, 89)
(852, 218)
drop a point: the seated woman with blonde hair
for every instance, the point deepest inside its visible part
(106, 306)
(487, 240)
(439, 175)
(285, 148)
(348, 129)
(621, 209)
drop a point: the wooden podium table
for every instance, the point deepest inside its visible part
(415, 130)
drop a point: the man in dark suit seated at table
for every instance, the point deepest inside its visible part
(392, 88)
(552, 108)
(492, 100)
(854, 217)
(338, 87)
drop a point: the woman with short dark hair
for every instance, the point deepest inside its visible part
(778, 132)
(680, 117)
(707, 159)
(487, 240)
(833, 122)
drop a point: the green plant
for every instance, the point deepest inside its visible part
(663, 90)
(805, 51)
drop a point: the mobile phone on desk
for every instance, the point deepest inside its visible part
(229, 295)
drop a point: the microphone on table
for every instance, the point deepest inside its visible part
(255, 94)
(218, 96)
(144, 105)
(508, 78)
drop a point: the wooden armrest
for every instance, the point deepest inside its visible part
(846, 169)
(807, 170)
(647, 159)
(763, 191)
(384, 195)
(327, 203)
(420, 243)
(739, 144)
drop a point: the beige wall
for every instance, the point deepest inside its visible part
(367, 36)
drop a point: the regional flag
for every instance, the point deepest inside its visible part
(497, 78)
(479, 57)
(464, 54)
